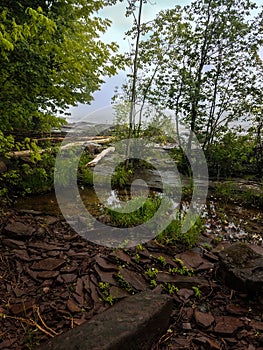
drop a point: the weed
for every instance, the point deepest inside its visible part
(173, 235)
(181, 269)
(170, 288)
(162, 260)
(152, 272)
(137, 258)
(105, 288)
(124, 284)
(197, 292)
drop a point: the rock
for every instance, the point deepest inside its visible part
(48, 264)
(133, 323)
(204, 319)
(18, 230)
(105, 265)
(13, 244)
(3, 167)
(21, 308)
(69, 277)
(241, 268)
(236, 309)
(72, 306)
(134, 279)
(257, 325)
(186, 326)
(182, 281)
(207, 343)
(227, 325)
(185, 294)
(47, 274)
(93, 147)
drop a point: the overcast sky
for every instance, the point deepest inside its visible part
(100, 109)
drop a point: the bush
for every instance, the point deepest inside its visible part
(230, 156)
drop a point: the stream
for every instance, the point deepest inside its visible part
(229, 221)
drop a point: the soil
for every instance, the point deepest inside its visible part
(53, 280)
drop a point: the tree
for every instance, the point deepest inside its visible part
(51, 57)
(203, 56)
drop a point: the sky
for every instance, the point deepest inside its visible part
(100, 109)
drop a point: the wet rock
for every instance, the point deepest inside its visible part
(133, 323)
(134, 280)
(69, 277)
(47, 274)
(105, 265)
(13, 244)
(48, 264)
(118, 293)
(241, 268)
(204, 319)
(185, 294)
(236, 309)
(207, 343)
(191, 259)
(257, 325)
(22, 255)
(227, 325)
(182, 281)
(72, 306)
(22, 307)
(18, 230)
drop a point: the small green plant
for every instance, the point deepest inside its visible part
(135, 212)
(197, 292)
(152, 272)
(137, 258)
(207, 246)
(105, 289)
(173, 235)
(153, 283)
(124, 284)
(181, 269)
(139, 247)
(170, 288)
(162, 260)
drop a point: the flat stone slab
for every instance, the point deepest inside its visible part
(133, 323)
(241, 268)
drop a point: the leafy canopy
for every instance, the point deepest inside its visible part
(51, 56)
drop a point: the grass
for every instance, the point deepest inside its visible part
(139, 211)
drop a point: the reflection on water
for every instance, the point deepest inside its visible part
(47, 202)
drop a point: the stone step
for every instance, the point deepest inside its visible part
(132, 324)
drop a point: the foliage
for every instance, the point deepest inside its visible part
(121, 177)
(33, 176)
(105, 289)
(85, 175)
(229, 191)
(201, 61)
(197, 292)
(170, 288)
(51, 57)
(6, 144)
(230, 155)
(172, 235)
(135, 217)
(147, 208)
